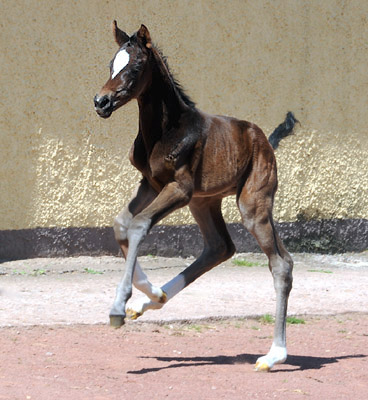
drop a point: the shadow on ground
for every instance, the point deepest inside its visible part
(300, 362)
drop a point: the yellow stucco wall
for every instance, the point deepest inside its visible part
(63, 166)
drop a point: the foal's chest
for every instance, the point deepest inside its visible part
(162, 163)
(158, 167)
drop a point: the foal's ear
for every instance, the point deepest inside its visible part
(119, 36)
(144, 36)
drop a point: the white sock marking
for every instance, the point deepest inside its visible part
(173, 287)
(121, 61)
(276, 355)
(142, 283)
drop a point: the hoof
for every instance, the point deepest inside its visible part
(163, 298)
(276, 355)
(262, 366)
(132, 314)
(116, 321)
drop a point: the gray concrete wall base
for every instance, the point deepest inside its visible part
(324, 236)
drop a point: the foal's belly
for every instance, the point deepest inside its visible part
(216, 182)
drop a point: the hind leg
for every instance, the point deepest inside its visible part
(256, 211)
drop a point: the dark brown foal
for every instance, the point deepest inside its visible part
(187, 157)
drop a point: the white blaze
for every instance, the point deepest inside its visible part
(120, 62)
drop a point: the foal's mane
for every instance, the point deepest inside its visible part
(177, 86)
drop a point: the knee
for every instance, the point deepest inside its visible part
(120, 229)
(121, 225)
(138, 228)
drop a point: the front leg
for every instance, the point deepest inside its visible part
(140, 280)
(143, 196)
(136, 232)
(173, 196)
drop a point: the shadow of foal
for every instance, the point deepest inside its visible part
(301, 363)
(188, 157)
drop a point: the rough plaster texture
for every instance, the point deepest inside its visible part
(62, 166)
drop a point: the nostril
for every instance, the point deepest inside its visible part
(102, 102)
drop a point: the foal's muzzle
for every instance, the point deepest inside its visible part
(103, 105)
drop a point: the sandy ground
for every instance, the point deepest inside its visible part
(54, 337)
(81, 290)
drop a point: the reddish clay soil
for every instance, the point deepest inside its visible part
(328, 359)
(54, 341)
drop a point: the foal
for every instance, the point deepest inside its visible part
(188, 157)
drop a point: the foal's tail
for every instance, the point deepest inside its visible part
(284, 129)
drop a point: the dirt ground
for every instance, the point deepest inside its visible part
(55, 341)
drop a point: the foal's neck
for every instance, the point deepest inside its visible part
(161, 105)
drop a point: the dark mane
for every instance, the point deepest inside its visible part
(178, 88)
